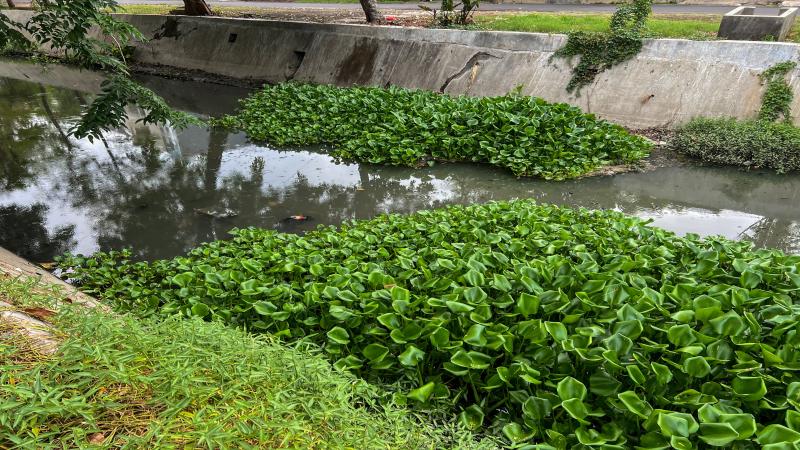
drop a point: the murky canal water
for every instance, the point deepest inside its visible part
(162, 192)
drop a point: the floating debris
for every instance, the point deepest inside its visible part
(223, 213)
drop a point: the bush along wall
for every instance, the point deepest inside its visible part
(549, 326)
(397, 126)
(769, 142)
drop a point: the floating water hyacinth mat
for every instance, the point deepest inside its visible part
(397, 126)
(547, 325)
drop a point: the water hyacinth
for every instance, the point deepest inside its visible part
(543, 324)
(395, 126)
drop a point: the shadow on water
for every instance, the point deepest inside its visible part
(162, 192)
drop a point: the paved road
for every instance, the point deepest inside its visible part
(658, 9)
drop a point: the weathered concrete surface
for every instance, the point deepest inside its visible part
(743, 24)
(13, 266)
(667, 83)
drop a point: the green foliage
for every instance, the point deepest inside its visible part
(449, 15)
(189, 384)
(410, 127)
(64, 27)
(749, 143)
(601, 51)
(107, 111)
(542, 324)
(777, 99)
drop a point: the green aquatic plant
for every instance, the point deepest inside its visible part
(754, 144)
(544, 324)
(397, 126)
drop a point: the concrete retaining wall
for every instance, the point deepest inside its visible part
(667, 83)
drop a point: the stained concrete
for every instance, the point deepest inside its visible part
(743, 24)
(667, 83)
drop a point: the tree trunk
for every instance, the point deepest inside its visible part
(196, 8)
(11, 4)
(371, 10)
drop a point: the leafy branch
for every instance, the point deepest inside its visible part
(64, 28)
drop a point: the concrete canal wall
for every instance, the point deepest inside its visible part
(667, 83)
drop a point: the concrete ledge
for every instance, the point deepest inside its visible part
(667, 83)
(743, 24)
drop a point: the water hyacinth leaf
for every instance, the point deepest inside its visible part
(475, 336)
(674, 424)
(411, 356)
(570, 388)
(662, 372)
(635, 404)
(516, 432)
(681, 335)
(680, 443)
(264, 308)
(793, 419)
(474, 278)
(458, 307)
(718, 434)
(697, 367)
(338, 335)
(183, 279)
(749, 388)
(557, 330)
(375, 352)
(475, 295)
(472, 417)
(440, 338)
(527, 304)
(728, 324)
(744, 424)
(537, 408)
(577, 409)
(422, 393)
(200, 310)
(777, 434)
(603, 384)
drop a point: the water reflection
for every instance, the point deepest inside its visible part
(162, 192)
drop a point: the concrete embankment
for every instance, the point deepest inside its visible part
(667, 83)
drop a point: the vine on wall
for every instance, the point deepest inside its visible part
(777, 99)
(601, 51)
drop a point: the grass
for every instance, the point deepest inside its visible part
(698, 27)
(117, 381)
(678, 26)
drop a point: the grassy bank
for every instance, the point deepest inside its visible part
(700, 27)
(119, 381)
(755, 144)
(678, 26)
(545, 325)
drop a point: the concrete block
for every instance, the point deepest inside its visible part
(742, 24)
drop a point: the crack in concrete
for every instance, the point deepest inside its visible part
(470, 65)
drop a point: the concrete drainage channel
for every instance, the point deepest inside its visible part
(669, 82)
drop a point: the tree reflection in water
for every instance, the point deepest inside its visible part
(141, 186)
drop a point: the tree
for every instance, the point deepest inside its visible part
(196, 8)
(370, 8)
(63, 26)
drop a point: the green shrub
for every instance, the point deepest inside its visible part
(751, 143)
(148, 384)
(546, 324)
(406, 127)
